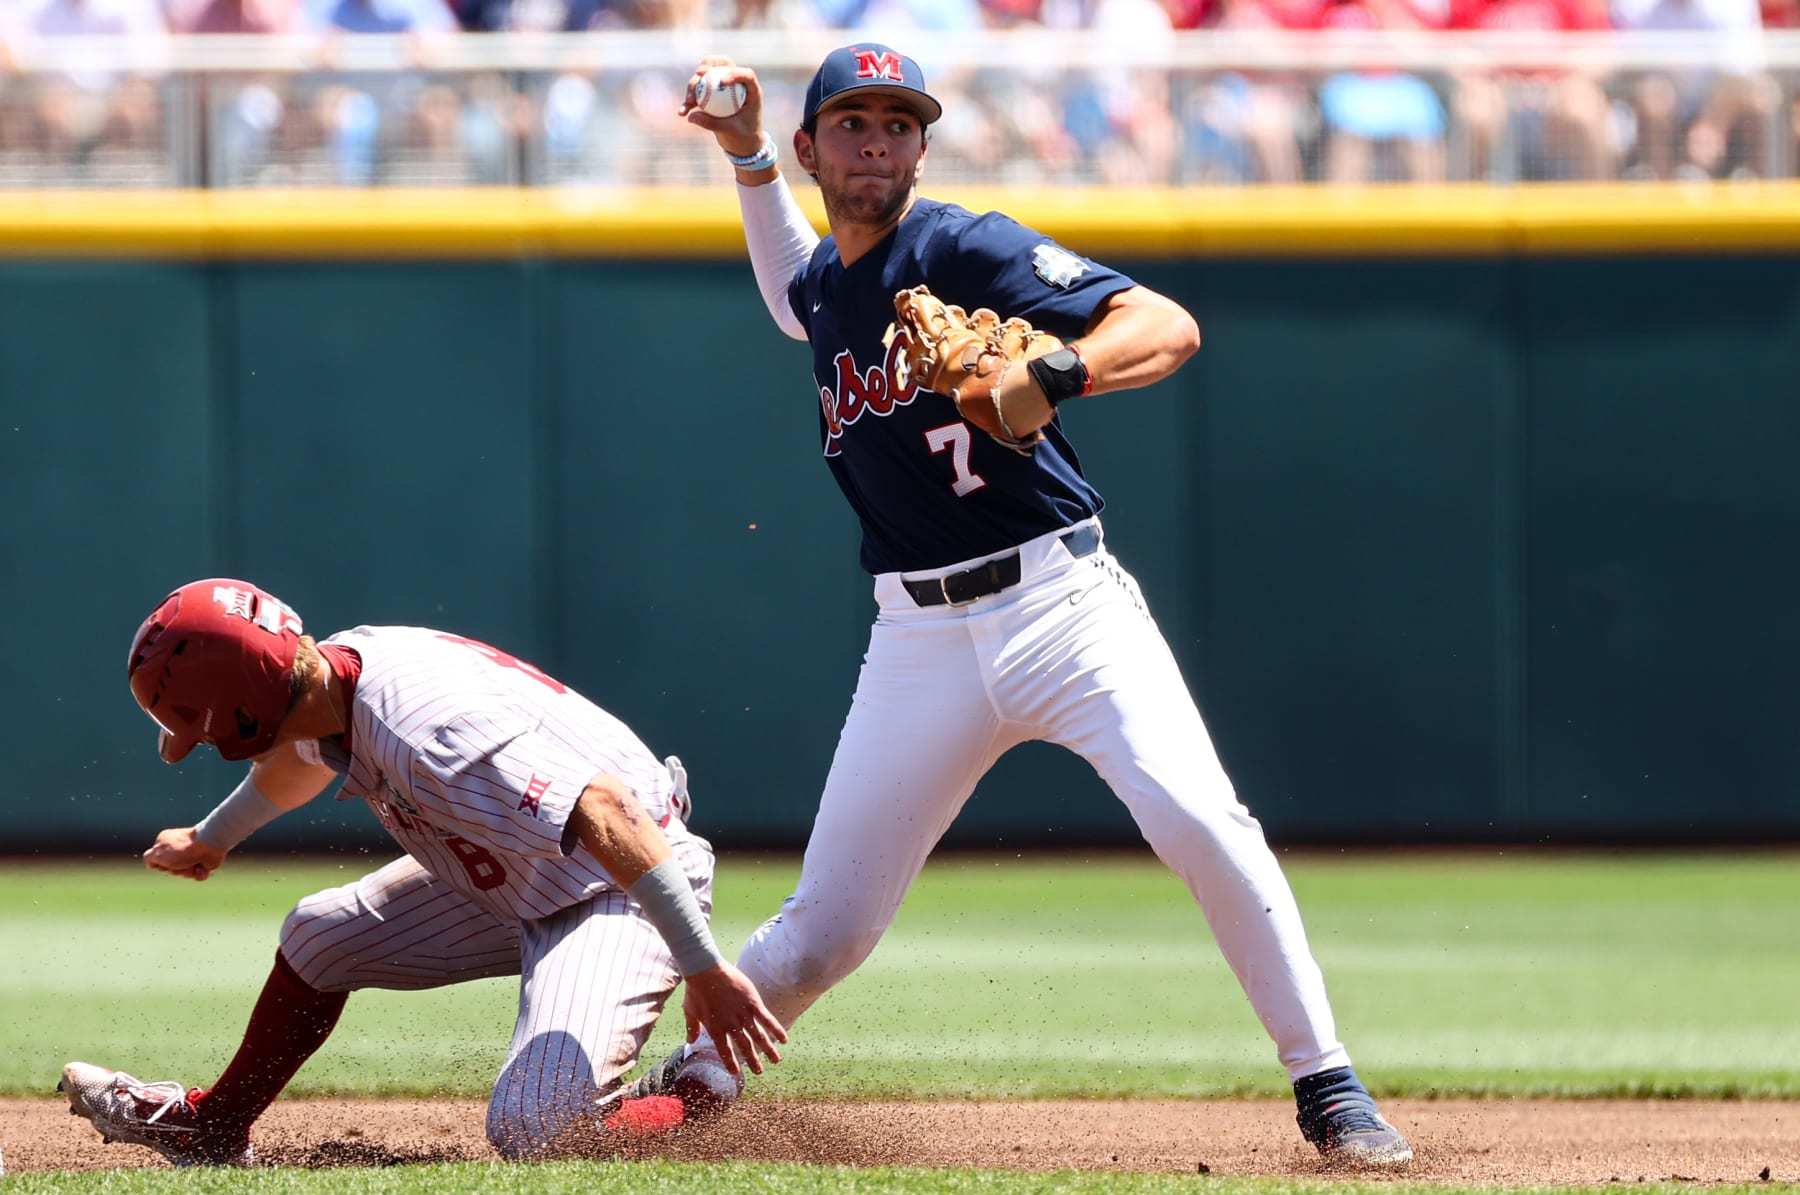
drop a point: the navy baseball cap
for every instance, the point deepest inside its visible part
(869, 67)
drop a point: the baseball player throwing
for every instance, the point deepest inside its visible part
(542, 840)
(1002, 616)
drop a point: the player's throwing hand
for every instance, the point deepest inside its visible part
(746, 122)
(725, 1003)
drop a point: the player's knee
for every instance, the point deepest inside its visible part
(560, 1125)
(518, 1126)
(305, 941)
(542, 1104)
(512, 1133)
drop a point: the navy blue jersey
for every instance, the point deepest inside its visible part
(930, 488)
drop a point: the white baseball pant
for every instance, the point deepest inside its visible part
(1069, 655)
(593, 979)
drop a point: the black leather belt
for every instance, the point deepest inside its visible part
(995, 575)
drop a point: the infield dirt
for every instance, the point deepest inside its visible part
(1499, 1142)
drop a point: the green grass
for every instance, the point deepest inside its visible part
(1477, 973)
(734, 1178)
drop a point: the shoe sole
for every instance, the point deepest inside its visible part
(1362, 1158)
(70, 1087)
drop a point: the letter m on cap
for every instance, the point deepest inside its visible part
(870, 65)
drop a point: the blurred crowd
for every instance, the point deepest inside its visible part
(1022, 123)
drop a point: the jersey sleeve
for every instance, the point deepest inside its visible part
(994, 261)
(507, 785)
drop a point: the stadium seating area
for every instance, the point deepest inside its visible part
(474, 92)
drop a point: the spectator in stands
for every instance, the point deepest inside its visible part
(467, 136)
(482, 16)
(614, 128)
(380, 16)
(119, 18)
(1375, 115)
(1012, 14)
(950, 16)
(83, 115)
(1247, 126)
(1701, 124)
(234, 16)
(365, 115)
(1148, 140)
(499, 16)
(1121, 120)
(1557, 122)
(254, 118)
(1785, 14)
(416, 19)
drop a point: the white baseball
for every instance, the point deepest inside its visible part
(716, 97)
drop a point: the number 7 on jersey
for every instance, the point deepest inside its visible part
(954, 437)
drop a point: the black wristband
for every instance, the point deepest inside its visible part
(1062, 374)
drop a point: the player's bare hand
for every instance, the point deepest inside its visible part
(179, 853)
(726, 1004)
(741, 132)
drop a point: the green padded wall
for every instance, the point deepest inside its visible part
(1663, 507)
(1453, 550)
(110, 441)
(1354, 543)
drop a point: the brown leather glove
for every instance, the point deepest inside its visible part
(976, 360)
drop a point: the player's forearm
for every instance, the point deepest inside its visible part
(612, 825)
(242, 813)
(780, 239)
(1140, 339)
(277, 783)
(288, 780)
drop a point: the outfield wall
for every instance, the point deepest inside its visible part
(1473, 519)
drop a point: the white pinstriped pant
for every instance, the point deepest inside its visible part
(593, 979)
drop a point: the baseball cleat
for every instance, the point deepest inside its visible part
(160, 1115)
(696, 1077)
(1337, 1114)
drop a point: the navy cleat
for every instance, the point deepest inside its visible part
(1337, 1114)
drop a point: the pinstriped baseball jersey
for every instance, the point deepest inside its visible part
(473, 761)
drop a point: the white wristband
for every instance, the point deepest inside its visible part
(238, 816)
(765, 156)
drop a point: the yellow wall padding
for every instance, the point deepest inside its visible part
(1315, 221)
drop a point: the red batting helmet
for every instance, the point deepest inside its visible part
(211, 665)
